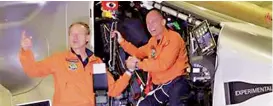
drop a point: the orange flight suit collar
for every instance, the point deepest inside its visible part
(73, 56)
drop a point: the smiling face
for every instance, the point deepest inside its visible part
(155, 23)
(78, 35)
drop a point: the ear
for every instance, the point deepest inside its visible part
(87, 38)
(163, 22)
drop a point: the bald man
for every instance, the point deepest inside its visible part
(164, 58)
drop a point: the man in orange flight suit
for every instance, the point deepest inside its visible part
(72, 70)
(165, 58)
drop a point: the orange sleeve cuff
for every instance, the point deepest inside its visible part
(26, 56)
(141, 65)
(126, 77)
(25, 53)
(123, 43)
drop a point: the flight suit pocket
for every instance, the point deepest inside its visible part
(72, 94)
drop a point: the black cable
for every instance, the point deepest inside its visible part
(216, 66)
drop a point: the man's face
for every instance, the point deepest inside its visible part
(155, 23)
(78, 36)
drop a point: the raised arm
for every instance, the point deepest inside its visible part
(130, 48)
(30, 66)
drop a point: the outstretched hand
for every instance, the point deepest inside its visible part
(117, 33)
(26, 41)
(131, 62)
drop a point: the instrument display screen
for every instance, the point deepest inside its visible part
(204, 37)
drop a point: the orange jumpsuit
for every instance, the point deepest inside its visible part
(165, 60)
(72, 87)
